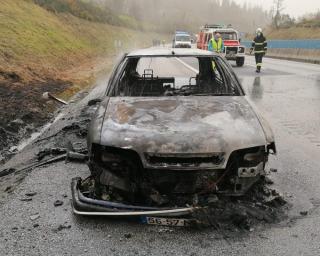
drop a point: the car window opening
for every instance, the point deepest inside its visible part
(175, 76)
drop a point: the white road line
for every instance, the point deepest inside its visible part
(197, 71)
(187, 65)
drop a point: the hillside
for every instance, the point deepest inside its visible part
(42, 50)
(294, 33)
(48, 43)
(307, 28)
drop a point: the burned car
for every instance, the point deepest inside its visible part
(173, 129)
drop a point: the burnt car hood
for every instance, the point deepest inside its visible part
(179, 125)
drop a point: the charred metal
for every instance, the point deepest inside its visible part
(159, 146)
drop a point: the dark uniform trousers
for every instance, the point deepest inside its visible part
(259, 45)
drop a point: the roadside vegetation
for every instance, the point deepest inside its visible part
(41, 42)
(284, 26)
(307, 27)
(49, 47)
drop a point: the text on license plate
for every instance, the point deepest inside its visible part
(166, 221)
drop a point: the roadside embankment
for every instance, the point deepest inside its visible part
(43, 51)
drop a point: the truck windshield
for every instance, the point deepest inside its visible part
(175, 76)
(229, 36)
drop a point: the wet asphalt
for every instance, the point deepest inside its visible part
(287, 93)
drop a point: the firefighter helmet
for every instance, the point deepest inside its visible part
(259, 30)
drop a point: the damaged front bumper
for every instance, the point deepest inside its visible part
(83, 205)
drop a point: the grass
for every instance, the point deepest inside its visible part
(294, 33)
(36, 42)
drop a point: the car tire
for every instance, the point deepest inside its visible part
(240, 62)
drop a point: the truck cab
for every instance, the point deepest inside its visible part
(182, 39)
(233, 50)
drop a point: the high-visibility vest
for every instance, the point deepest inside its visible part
(216, 46)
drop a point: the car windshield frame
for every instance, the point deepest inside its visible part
(225, 69)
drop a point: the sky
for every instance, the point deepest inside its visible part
(294, 8)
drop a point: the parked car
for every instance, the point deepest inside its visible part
(182, 40)
(173, 128)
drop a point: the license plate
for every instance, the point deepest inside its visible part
(166, 221)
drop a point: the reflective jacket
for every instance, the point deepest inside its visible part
(259, 44)
(215, 46)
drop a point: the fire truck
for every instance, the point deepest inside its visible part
(232, 48)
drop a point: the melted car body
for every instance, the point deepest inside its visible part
(173, 129)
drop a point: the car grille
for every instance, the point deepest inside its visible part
(184, 160)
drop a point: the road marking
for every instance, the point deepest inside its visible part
(197, 71)
(187, 65)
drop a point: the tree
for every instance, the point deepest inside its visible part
(276, 10)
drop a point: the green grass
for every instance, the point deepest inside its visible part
(27, 30)
(37, 39)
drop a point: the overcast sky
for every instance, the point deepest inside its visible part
(293, 7)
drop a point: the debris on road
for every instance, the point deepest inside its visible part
(6, 172)
(8, 189)
(70, 156)
(61, 227)
(304, 213)
(26, 199)
(30, 194)
(127, 235)
(75, 156)
(48, 95)
(94, 102)
(58, 203)
(50, 152)
(78, 128)
(34, 216)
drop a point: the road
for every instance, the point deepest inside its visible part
(288, 93)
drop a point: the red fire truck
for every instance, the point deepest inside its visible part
(232, 48)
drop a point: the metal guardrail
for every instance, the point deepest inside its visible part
(290, 44)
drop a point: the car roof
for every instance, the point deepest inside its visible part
(169, 52)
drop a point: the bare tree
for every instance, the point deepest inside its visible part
(277, 10)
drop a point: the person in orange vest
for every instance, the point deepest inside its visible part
(216, 44)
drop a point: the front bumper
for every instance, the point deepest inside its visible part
(83, 205)
(182, 46)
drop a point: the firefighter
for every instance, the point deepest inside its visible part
(259, 46)
(216, 44)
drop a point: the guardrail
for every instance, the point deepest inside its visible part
(289, 44)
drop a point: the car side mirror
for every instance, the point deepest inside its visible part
(239, 40)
